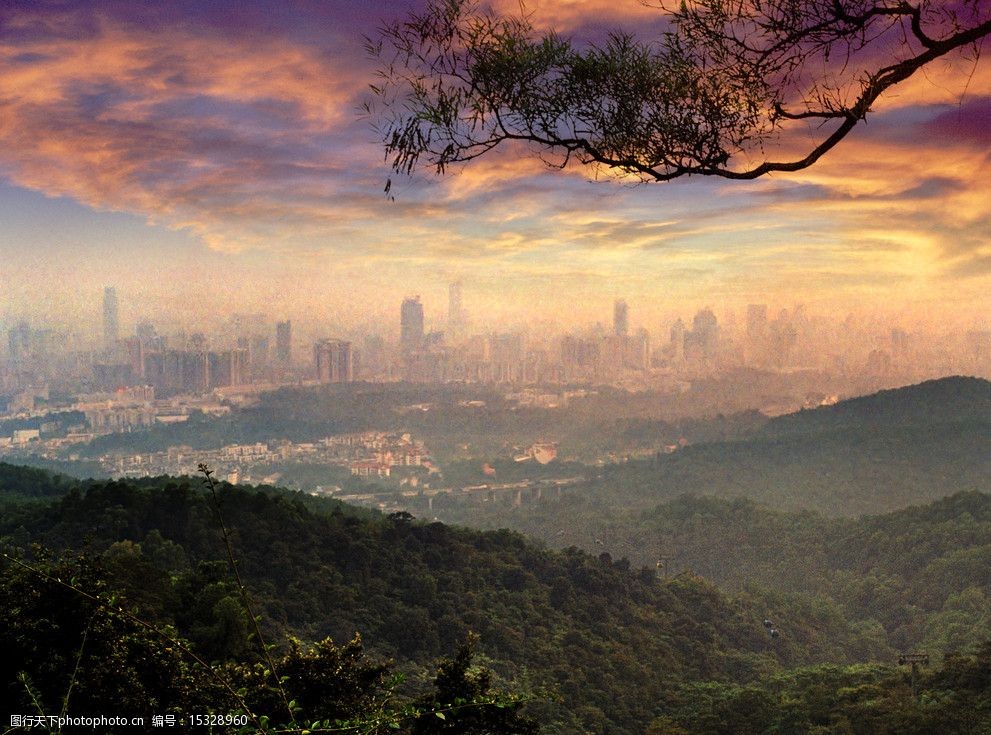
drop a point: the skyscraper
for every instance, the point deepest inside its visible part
(334, 361)
(411, 324)
(145, 331)
(620, 318)
(703, 340)
(20, 341)
(228, 368)
(256, 348)
(757, 321)
(111, 323)
(283, 342)
(455, 312)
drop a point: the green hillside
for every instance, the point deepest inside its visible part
(414, 590)
(946, 400)
(868, 455)
(592, 644)
(918, 576)
(923, 574)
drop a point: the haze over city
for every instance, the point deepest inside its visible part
(814, 357)
(557, 367)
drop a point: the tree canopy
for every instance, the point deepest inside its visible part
(715, 94)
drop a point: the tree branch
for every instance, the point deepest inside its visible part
(711, 89)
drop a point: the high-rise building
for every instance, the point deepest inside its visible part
(334, 361)
(177, 371)
(637, 356)
(782, 338)
(145, 331)
(677, 341)
(283, 342)
(706, 326)
(578, 351)
(111, 322)
(20, 341)
(620, 318)
(228, 368)
(703, 340)
(135, 349)
(256, 349)
(455, 312)
(373, 363)
(411, 324)
(149, 338)
(195, 372)
(248, 325)
(757, 321)
(507, 353)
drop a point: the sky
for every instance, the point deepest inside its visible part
(211, 157)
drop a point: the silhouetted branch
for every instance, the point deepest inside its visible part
(457, 81)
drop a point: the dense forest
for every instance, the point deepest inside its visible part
(922, 575)
(95, 571)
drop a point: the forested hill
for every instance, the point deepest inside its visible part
(597, 646)
(917, 577)
(944, 401)
(869, 455)
(21, 483)
(609, 639)
(922, 574)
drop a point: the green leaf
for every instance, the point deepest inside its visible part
(441, 715)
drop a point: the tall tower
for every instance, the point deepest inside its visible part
(757, 321)
(334, 361)
(455, 312)
(620, 318)
(705, 330)
(111, 323)
(411, 324)
(678, 340)
(20, 341)
(283, 342)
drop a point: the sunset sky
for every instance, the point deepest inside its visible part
(209, 157)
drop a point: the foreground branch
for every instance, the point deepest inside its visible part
(456, 82)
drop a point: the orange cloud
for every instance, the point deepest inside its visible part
(251, 143)
(168, 123)
(566, 15)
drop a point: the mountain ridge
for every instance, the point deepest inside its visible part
(941, 400)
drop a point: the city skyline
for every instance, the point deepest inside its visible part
(257, 186)
(444, 315)
(425, 343)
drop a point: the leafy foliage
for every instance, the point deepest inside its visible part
(66, 653)
(718, 86)
(417, 589)
(74, 649)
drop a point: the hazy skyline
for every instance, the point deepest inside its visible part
(209, 158)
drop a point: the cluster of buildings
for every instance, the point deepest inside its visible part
(365, 454)
(190, 364)
(254, 351)
(179, 364)
(90, 415)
